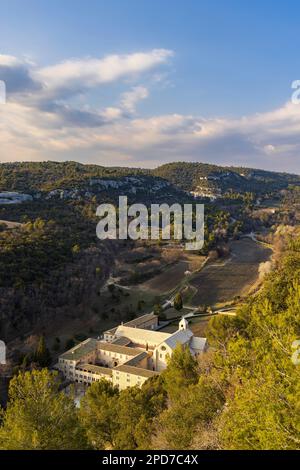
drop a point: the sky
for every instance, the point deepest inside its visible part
(140, 83)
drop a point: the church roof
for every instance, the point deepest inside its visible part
(139, 335)
(180, 336)
(198, 343)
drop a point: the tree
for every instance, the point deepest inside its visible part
(196, 407)
(262, 409)
(75, 249)
(136, 410)
(180, 373)
(70, 343)
(98, 414)
(221, 328)
(263, 412)
(42, 355)
(121, 420)
(39, 416)
(178, 304)
(157, 309)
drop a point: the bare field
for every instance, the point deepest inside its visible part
(172, 275)
(167, 280)
(221, 281)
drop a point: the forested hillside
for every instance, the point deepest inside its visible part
(192, 176)
(52, 265)
(243, 394)
(46, 176)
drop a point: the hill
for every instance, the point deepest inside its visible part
(45, 176)
(212, 180)
(202, 179)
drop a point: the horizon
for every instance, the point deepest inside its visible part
(149, 168)
(150, 84)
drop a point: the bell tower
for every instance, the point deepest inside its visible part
(183, 324)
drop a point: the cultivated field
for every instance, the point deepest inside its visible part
(223, 280)
(173, 275)
(167, 280)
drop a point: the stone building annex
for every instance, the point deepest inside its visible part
(128, 354)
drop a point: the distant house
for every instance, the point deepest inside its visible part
(128, 354)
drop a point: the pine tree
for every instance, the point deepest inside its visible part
(98, 414)
(39, 416)
(178, 303)
(180, 373)
(42, 355)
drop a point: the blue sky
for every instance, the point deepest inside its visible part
(211, 81)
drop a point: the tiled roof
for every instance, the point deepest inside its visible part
(134, 323)
(137, 359)
(81, 350)
(136, 371)
(103, 346)
(122, 341)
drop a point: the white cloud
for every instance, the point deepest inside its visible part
(17, 75)
(50, 89)
(9, 60)
(78, 74)
(132, 97)
(39, 122)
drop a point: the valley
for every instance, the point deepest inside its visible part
(70, 285)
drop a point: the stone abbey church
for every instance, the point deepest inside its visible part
(128, 354)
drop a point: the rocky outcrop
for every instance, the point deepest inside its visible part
(8, 197)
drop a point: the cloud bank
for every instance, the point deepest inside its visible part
(41, 121)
